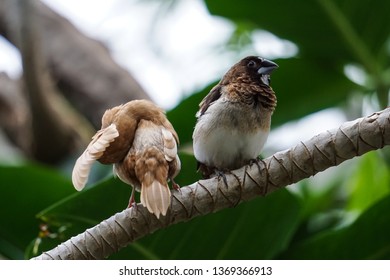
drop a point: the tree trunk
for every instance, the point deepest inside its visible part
(81, 67)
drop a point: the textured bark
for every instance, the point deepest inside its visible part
(14, 113)
(43, 98)
(260, 178)
(82, 67)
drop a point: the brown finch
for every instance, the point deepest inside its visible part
(234, 119)
(142, 144)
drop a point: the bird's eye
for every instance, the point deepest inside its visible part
(252, 64)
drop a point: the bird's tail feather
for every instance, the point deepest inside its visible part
(155, 196)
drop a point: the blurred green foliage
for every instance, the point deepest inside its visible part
(342, 217)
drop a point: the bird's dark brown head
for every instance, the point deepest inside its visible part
(251, 69)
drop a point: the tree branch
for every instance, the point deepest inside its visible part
(48, 116)
(260, 178)
(15, 117)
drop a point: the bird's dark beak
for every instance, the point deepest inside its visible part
(267, 66)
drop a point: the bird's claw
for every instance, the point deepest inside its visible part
(254, 160)
(221, 173)
(175, 186)
(132, 202)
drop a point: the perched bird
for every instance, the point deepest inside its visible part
(234, 119)
(142, 144)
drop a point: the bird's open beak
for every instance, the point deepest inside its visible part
(267, 66)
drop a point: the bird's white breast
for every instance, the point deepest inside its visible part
(219, 144)
(226, 149)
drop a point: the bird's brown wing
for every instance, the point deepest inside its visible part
(100, 141)
(126, 123)
(109, 145)
(213, 95)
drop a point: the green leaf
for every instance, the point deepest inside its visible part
(77, 212)
(366, 238)
(24, 192)
(91, 205)
(369, 182)
(303, 87)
